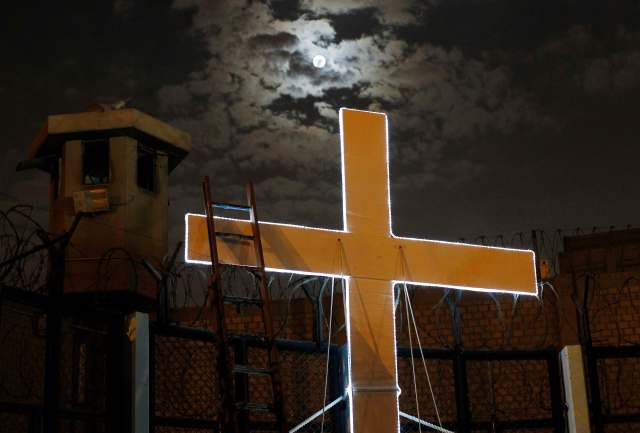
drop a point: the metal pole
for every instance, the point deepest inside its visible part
(557, 406)
(337, 388)
(53, 342)
(55, 287)
(460, 371)
(152, 378)
(118, 403)
(318, 322)
(595, 402)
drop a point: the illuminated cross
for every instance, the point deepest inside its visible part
(371, 259)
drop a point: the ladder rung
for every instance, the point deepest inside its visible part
(234, 236)
(231, 206)
(252, 267)
(238, 300)
(254, 407)
(245, 369)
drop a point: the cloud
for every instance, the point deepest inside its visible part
(626, 71)
(327, 111)
(175, 99)
(440, 100)
(437, 98)
(580, 61)
(123, 8)
(398, 12)
(274, 41)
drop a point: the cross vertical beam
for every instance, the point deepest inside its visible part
(372, 361)
(365, 171)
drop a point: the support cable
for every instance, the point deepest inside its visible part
(424, 423)
(413, 366)
(424, 362)
(320, 412)
(326, 372)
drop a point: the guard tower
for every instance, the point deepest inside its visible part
(112, 165)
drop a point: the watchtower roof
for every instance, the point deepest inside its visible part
(129, 122)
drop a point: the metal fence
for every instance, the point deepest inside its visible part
(21, 368)
(614, 381)
(74, 374)
(484, 390)
(81, 386)
(184, 393)
(610, 338)
(476, 390)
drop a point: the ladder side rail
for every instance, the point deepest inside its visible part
(215, 297)
(267, 318)
(257, 244)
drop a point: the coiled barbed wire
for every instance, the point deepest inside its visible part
(19, 232)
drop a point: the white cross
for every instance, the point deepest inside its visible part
(371, 259)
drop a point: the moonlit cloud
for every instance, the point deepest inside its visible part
(435, 96)
(486, 104)
(390, 12)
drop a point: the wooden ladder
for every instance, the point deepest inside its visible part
(235, 414)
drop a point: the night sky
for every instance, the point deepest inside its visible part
(505, 115)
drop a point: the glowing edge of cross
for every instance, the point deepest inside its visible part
(346, 278)
(424, 423)
(317, 414)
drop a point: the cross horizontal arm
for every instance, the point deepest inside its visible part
(464, 266)
(286, 248)
(301, 249)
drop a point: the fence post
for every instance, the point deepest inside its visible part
(591, 362)
(118, 416)
(141, 373)
(338, 376)
(575, 389)
(336, 389)
(55, 283)
(318, 316)
(595, 403)
(1, 287)
(460, 371)
(462, 391)
(152, 378)
(555, 388)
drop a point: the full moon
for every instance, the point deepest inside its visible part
(319, 61)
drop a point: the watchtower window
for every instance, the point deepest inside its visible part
(95, 162)
(146, 168)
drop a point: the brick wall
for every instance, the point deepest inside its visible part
(492, 321)
(500, 389)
